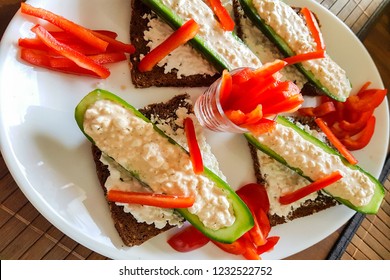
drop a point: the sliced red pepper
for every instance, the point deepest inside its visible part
(366, 100)
(318, 111)
(41, 59)
(225, 87)
(65, 24)
(77, 57)
(313, 27)
(254, 116)
(269, 245)
(262, 126)
(304, 57)
(113, 44)
(195, 153)
(362, 139)
(182, 35)
(188, 239)
(151, 199)
(238, 247)
(236, 116)
(251, 251)
(313, 187)
(103, 58)
(255, 196)
(222, 14)
(66, 36)
(355, 127)
(242, 76)
(335, 141)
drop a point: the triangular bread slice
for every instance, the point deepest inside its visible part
(169, 117)
(177, 70)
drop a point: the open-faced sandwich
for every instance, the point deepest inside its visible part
(147, 150)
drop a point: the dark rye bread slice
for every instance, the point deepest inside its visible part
(309, 207)
(156, 77)
(129, 229)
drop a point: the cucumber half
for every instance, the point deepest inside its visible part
(243, 217)
(379, 192)
(287, 51)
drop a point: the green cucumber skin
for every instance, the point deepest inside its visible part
(244, 220)
(198, 43)
(252, 14)
(371, 208)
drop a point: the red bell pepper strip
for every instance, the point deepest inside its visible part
(313, 187)
(366, 100)
(305, 56)
(188, 239)
(151, 199)
(255, 197)
(318, 111)
(335, 141)
(238, 247)
(103, 58)
(41, 59)
(269, 245)
(251, 251)
(313, 27)
(65, 24)
(364, 136)
(354, 127)
(182, 35)
(77, 57)
(222, 14)
(113, 44)
(66, 36)
(193, 146)
(262, 126)
(225, 87)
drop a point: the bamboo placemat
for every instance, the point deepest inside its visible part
(357, 14)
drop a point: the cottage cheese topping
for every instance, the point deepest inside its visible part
(166, 168)
(120, 179)
(232, 51)
(281, 180)
(292, 28)
(316, 163)
(158, 31)
(267, 51)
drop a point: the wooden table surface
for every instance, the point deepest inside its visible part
(26, 234)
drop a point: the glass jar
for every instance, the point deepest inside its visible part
(209, 112)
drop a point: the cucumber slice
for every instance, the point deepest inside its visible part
(370, 208)
(244, 220)
(219, 59)
(287, 51)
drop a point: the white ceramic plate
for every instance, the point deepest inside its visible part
(50, 159)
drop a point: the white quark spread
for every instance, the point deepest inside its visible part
(266, 50)
(232, 51)
(315, 163)
(178, 59)
(292, 28)
(120, 179)
(281, 180)
(163, 166)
